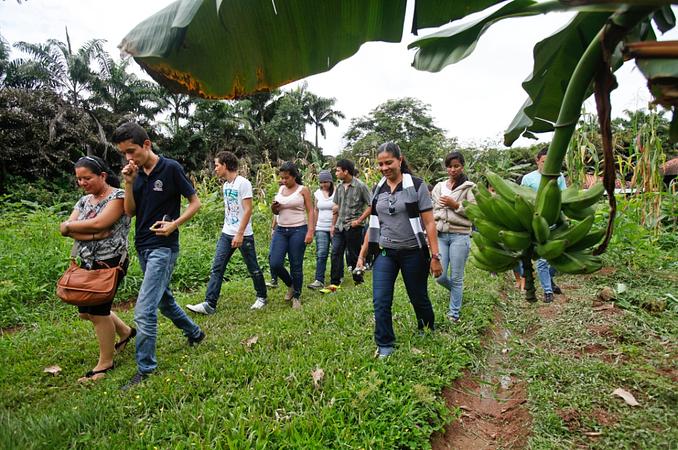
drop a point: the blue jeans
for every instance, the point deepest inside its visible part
(290, 241)
(413, 263)
(454, 250)
(322, 249)
(222, 256)
(157, 265)
(545, 272)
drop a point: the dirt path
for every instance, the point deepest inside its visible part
(492, 403)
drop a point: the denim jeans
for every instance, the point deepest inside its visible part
(222, 256)
(348, 241)
(413, 263)
(322, 248)
(454, 250)
(545, 273)
(157, 265)
(290, 241)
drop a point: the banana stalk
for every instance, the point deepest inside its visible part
(575, 94)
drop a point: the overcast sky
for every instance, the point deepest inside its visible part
(473, 100)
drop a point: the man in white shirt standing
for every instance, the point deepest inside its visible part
(236, 234)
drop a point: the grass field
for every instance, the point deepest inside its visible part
(228, 394)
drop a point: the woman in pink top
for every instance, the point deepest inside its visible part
(293, 232)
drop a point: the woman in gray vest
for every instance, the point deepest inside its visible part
(400, 204)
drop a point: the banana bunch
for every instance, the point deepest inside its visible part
(550, 224)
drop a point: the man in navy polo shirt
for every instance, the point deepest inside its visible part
(153, 189)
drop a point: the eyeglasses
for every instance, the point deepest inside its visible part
(391, 204)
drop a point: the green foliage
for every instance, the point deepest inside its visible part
(408, 123)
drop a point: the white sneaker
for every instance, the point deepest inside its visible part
(201, 308)
(316, 285)
(289, 294)
(296, 303)
(259, 303)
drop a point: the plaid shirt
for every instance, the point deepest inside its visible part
(352, 202)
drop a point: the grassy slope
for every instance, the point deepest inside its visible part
(220, 394)
(574, 356)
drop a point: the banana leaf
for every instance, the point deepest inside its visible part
(231, 48)
(433, 13)
(554, 61)
(452, 44)
(662, 80)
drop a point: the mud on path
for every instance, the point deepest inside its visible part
(492, 403)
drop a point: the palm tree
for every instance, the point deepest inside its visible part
(55, 65)
(320, 112)
(177, 105)
(120, 91)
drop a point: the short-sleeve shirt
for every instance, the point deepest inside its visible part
(394, 222)
(352, 201)
(533, 179)
(158, 194)
(234, 194)
(110, 247)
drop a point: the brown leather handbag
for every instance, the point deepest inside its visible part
(81, 287)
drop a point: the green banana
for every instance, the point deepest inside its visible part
(498, 256)
(551, 249)
(540, 228)
(577, 262)
(568, 263)
(569, 194)
(488, 268)
(574, 233)
(472, 211)
(579, 214)
(548, 201)
(501, 186)
(525, 211)
(484, 202)
(507, 214)
(588, 241)
(488, 229)
(515, 240)
(585, 198)
(482, 242)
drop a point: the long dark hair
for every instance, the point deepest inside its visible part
(461, 179)
(290, 168)
(98, 166)
(394, 150)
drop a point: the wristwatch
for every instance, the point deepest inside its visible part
(436, 256)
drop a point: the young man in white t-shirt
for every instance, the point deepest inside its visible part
(236, 234)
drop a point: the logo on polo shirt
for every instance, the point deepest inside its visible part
(157, 186)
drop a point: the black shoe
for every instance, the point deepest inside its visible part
(556, 289)
(136, 379)
(196, 340)
(548, 298)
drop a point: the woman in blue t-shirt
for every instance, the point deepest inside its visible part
(400, 204)
(99, 226)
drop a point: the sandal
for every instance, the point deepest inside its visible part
(89, 376)
(120, 346)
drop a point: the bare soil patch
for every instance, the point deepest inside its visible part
(491, 405)
(11, 330)
(489, 420)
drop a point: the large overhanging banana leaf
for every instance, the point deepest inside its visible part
(229, 48)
